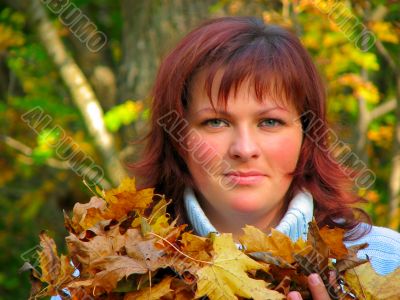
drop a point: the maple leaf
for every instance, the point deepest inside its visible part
(333, 239)
(316, 241)
(113, 269)
(369, 285)
(55, 271)
(196, 251)
(87, 214)
(277, 244)
(144, 249)
(196, 246)
(351, 260)
(154, 293)
(86, 251)
(225, 277)
(117, 204)
(126, 198)
(49, 261)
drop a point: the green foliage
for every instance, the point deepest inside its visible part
(123, 114)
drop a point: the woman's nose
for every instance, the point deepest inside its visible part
(244, 145)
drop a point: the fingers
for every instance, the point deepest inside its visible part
(294, 296)
(317, 288)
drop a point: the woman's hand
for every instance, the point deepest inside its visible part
(317, 288)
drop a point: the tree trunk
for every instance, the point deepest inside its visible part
(150, 29)
(395, 173)
(79, 87)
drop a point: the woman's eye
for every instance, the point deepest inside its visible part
(215, 123)
(271, 122)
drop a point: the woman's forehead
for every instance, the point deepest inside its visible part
(209, 89)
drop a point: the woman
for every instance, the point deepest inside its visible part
(234, 141)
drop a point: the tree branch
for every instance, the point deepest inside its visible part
(79, 87)
(51, 162)
(382, 109)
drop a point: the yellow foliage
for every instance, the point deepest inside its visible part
(361, 88)
(385, 32)
(9, 38)
(382, 137)
(372, 196)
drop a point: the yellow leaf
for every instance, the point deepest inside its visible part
(226, 277)
(333, 238)
(125, 198)
(371, 286)
(153, 293)
(277, 244)
(196, 246)
(117, 204)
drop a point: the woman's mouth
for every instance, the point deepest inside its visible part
(245, 178)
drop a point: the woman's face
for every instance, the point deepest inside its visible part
(243, 156)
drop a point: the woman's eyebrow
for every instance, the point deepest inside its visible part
(225, 113)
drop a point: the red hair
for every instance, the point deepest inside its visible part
(275, 61)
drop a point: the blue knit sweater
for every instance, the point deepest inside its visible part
(383, 244)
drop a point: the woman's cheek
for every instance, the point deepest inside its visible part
(205, 155)
(284, 153)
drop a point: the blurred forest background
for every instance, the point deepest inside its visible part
(75, 77)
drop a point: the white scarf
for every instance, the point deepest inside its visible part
(294, 223)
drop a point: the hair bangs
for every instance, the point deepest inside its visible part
(273, 73)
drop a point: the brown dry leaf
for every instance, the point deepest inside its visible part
(49, 261)
(277, 244)
(126, 198)
(99, 257)
(87, 214)
(226, 277)
(333, 238)
(85, 252)
(56, 271)
(117, 204)
(316, 241)
(113, 269)
(154, 293)
(145, 250)
(371, 286)
(351, 260)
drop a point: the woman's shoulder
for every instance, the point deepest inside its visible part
(383, 248)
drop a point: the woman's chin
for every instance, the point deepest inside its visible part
(245, 206)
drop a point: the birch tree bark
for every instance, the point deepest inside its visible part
(78, 85)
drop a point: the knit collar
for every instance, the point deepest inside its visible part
(294, 223)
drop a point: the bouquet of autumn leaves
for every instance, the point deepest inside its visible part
(123, 245)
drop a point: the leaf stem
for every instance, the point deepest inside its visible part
(168, 242)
